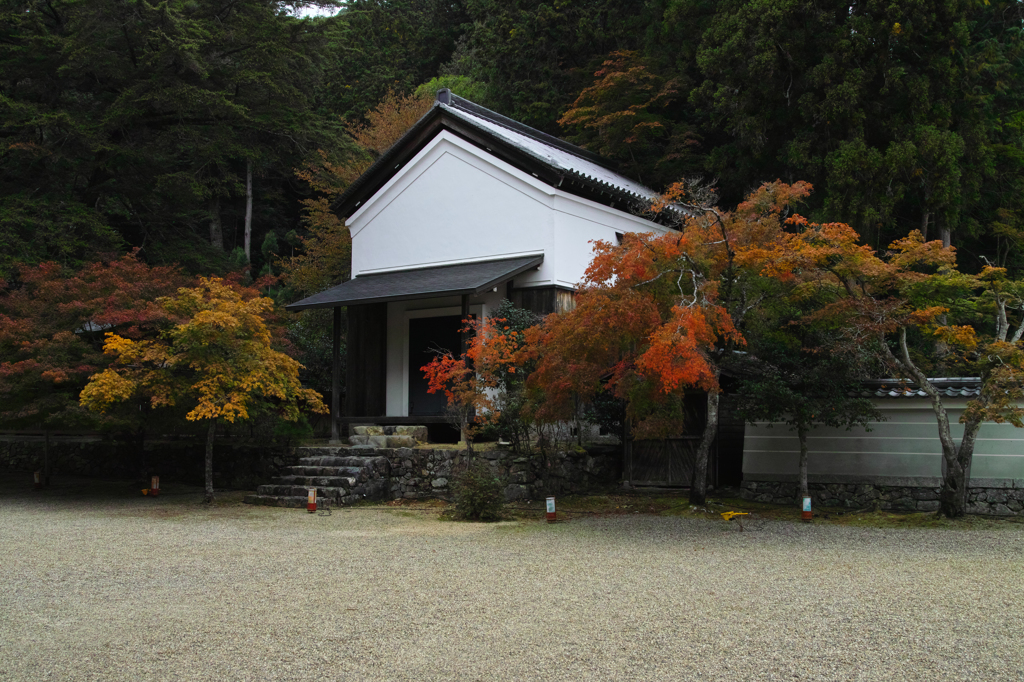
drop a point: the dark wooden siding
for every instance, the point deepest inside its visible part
(543, 300)
(366, 360)
(667, 462)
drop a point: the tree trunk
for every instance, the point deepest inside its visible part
(699, 485)
(466, 435)
(801, 432)
(946, 237)
(216, 229)
(953, 494)
(141, 445)
(924, 224)
(248, 211)
(956, 479)
(208, 498)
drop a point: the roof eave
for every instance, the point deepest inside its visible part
(532, 264)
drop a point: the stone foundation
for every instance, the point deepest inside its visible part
(424, 472)
(995, 501)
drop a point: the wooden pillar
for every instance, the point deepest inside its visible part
(464, 318)
(336, 375)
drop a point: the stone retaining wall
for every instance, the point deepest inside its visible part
(996, 501)
(426, 472)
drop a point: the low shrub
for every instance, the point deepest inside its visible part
(478, 492)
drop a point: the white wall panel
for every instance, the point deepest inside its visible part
(906, 445)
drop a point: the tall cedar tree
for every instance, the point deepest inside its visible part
(895, 111)
(148, 118)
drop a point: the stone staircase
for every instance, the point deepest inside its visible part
(336, 473)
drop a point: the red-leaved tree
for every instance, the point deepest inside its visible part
(661, 313)
(473, 381)
(52, 326)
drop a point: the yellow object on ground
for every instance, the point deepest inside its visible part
(729, 515)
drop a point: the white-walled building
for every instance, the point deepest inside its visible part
(466, 209)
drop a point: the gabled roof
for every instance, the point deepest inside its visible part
(570, 168)
(404, 285)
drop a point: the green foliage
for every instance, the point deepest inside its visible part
(311, 336)
(50, 228)
(463, 86)
(511, 403)
(380, 46)
(536, 56)
(891, 109)
(478, 492)
(791, 376)
(142, 118)
(608, 412)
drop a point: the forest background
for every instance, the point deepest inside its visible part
(212, 135)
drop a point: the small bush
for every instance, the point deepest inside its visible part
(479, 494)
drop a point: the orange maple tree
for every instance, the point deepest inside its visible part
(661, 312)
(626, 115)
(218, 358)
(921, 317)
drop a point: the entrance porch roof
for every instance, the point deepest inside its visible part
(402, 285)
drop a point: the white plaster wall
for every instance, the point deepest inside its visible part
(453, 202)
(578, 222)
(451, 205)
(906, 445)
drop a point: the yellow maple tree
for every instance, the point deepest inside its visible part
(217, 356)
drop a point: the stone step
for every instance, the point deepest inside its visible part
(310, 481)
(275, 501)
(383, 441)
(344, 461)
(333, 492)
(346, 472)
(342, 477)
(416, 432)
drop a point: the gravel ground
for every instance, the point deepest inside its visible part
(113, 587)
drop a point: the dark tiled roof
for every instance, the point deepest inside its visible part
(445, 280)
(560, 156)
(553, 161)
(948, 387)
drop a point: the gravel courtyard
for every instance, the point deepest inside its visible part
(126, 588)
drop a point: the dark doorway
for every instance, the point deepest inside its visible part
(428, 336)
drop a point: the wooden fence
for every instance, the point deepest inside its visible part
(665, 463)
